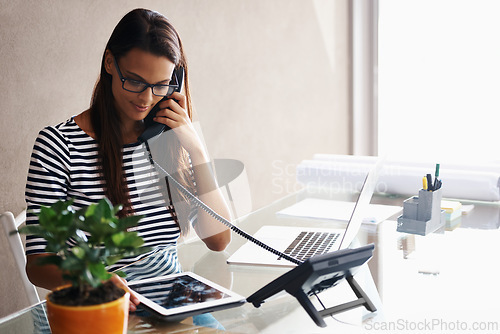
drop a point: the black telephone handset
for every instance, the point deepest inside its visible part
(153, 128)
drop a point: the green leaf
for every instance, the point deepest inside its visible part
(90, 211)
(127, 240)
(118, 238)
(99, 270)
(120, 273)
(90, 279)
(93, 254)
(32, 229)
(63, 207)
(112, 259)
(66, 220)
(102, 210)
(54, 248)
(79, 252)
(72, 263)
(127, 222)
(46, 217)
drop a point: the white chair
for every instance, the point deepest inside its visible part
(9, 224)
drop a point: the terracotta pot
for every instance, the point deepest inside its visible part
(111, 317)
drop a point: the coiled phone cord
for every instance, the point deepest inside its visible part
(219, 218)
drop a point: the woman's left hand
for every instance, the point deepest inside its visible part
(173, 113)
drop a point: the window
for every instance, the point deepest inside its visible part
(439, 79)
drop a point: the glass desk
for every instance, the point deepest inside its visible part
(443, 282)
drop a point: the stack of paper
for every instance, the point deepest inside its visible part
(453, 209)
(337, 210)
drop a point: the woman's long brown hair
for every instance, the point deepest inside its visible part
(150, 32)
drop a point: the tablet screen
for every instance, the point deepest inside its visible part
(181, 295)
(179, 291)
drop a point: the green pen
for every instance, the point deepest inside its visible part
(436, 174)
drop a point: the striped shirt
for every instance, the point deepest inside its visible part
(64, 165)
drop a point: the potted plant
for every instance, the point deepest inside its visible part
(83, 243)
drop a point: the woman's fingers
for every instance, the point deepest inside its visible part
(173, 108)
(179, 98)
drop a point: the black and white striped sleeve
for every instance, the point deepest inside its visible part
(48, 178)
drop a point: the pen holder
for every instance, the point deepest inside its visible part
(422, 215)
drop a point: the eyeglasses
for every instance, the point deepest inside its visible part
(136, 86)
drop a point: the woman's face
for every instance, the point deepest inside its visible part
(142, 66)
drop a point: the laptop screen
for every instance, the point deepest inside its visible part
(361, 206)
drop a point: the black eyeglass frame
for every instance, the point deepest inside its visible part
(171, 88)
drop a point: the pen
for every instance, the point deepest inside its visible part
(424, 181)
(429, 182)
(436, 182)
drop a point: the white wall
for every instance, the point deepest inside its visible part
(269, 79)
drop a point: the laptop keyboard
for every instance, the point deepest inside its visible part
(308, 244)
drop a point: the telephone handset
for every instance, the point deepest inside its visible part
(153, 128)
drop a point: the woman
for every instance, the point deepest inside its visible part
(97, 153)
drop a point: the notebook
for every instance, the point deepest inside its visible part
(304, 242)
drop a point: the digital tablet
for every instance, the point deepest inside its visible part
(179, 296)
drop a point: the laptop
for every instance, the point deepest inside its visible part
(302, 243)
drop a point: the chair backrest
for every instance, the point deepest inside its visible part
(9, 224)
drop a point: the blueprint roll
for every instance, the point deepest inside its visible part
(493, 167)
(467, 181)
